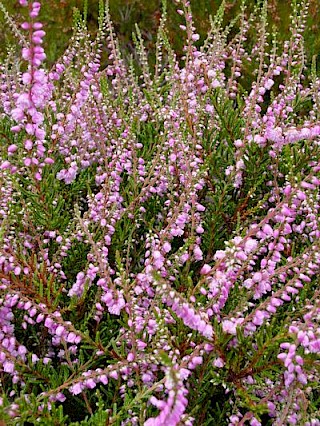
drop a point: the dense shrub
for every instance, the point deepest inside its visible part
(160, 241)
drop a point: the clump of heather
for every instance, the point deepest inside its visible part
(160, 228)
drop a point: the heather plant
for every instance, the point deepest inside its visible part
(160, 241)
(57, 17)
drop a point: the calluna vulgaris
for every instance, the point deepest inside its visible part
(160, 229)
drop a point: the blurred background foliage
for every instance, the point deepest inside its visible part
(57, 16)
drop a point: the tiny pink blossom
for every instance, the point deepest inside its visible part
(269, 83)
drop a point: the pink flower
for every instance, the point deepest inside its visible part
(229, 327)
(218, 362)
(76, 388)
(198, 255)
(25, 25)
(268, 84)
(166, 247)
(12, 148)
(17, 114)
(8, 367)
(267, 230)
(130, 357)
(205, 269)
